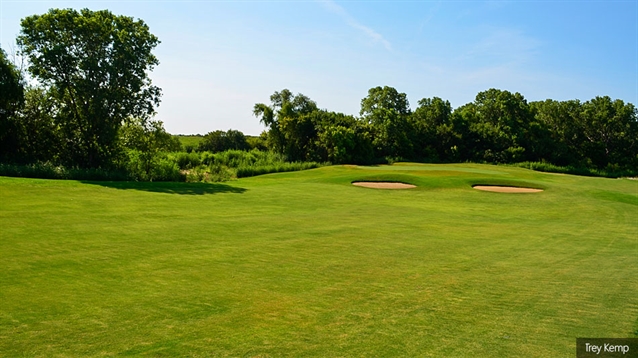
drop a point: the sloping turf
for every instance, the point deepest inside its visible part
(305, 264)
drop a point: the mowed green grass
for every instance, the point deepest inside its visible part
(305, 264)
(189, 140)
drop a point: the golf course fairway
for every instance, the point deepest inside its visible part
(306, 264)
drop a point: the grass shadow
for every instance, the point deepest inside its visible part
(170, 187)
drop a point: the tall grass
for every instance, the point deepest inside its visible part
(249, 171)
(176, 166)
(52, 171)
(609, 172)
(221, 166)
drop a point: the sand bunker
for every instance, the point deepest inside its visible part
(506, 189)
(383, 185)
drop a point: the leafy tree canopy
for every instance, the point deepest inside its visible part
(285, 108)
(219, 141)
(11, 100)
(384, 98)
(95, 64)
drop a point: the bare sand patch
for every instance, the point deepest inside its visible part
(506, 189)
(383, 185)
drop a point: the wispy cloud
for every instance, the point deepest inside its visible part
(431, 12)
(503, 46)
(352, 22)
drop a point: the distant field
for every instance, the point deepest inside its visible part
(306, 264)
(189, 140)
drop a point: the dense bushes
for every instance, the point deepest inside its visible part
(234, 164)
(219, 141)
(51, 171)
(175, 166)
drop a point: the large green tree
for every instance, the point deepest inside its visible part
(384, 98)
(95, 64)
(388, 111)
(559, 137)
(287, 131)
(343, 139)
(498, 123)
(433, 135)
(610, 131)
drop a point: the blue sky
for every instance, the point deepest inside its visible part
(219, 58)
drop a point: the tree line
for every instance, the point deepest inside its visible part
(497, 127)
(89, 103)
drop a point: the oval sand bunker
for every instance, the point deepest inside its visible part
(506, 189)
(383, 185)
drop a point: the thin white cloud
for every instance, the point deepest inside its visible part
(352, 22)
(431, 12)
(503, 46)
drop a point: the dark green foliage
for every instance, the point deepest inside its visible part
(148, 136)
(94, 64)
(39, 138)
(387, 112)
(560, 139)
(384, 98)
(174, 167)
(609, 172)
(610, 132)
(11, 100)
(50, 171)
(187, 160)
(141, 167)
(146, 143)
(344, 144)
(258, 142)
(597, 134)
(391, 134)
(497, 124)
(219, 141)
(498, 127)
(287, 131)
(238, 158)
(144, 167)
(221, 166)
(433, 132)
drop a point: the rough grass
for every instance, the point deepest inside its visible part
(51, 171)
(189, 140)
(305, 264)
(610, 172)
(232, 164)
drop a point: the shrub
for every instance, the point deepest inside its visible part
(144, 166)
(51, 171)
(186, 160)
(166, 170)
